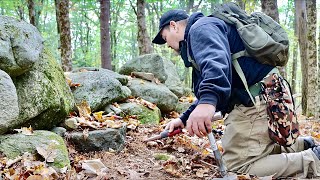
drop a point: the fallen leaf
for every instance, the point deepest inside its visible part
(47, 153)
(35, 177)
(152, 144)
(94, 166)
(244, 177)
(10, 162)
(85, 133)
(84, 109)
(26, 131)
(98, 116)
(201, 172)
(172, 168)
(181, 149)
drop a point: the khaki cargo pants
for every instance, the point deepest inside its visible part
(248, 148)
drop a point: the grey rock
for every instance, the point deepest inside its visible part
(162, 69)
(71, 123)
(182, 106)
(59, 131)
(14, 145)
(144, 114)
(98, 140)
(9, 107)
(111, 108)
(44, 97)
(98, 88)
(20, 46)
(123, 79)
(158, 94)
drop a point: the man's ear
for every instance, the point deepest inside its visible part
(173, 24)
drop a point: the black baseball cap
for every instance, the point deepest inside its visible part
(172, 15)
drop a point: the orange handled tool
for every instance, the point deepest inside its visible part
(164, 134)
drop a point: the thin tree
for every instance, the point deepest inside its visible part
(242, 4)
(105, 34)
(312, 57)
(34, 12)
(270, 8)
(65, 35)
(301, 21)
(144, 42)
(56, 3)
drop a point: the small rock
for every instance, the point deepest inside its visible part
(152, 144)
(59, 130)
(71, 123)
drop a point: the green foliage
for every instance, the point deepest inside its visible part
(85, 26)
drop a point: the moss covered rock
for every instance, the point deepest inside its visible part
(145, 115)
(98, 88)
(44, 97)
(14, 145)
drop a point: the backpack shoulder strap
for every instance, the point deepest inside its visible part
(243, 79)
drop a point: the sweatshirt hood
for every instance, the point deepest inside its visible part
(183, 44)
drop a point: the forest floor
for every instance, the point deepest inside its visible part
(178, 157)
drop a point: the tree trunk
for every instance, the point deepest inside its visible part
(312, 57)
(294, 67)
(300, 6)
(105, 34)
(241, 4)
(32, 15)
(270, 8)
(57, 2)
(144, 41)
(65, 36)
(20, 12)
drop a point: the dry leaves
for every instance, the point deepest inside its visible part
(26, 167)
(143, 102)
(172, 168)
(26, 131)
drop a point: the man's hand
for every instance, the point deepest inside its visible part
(199, 121)
(176, 123)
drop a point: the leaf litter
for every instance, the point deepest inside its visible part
(178, 157)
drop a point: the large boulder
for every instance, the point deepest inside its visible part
(45, 99)
(123, 79)
(162, 69)
(98, 88)
(14, 145)
(144, 114)
(20, 46)
(158, 94)
(9, 101)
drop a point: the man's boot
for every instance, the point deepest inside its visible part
(308, 142)
(316, 151)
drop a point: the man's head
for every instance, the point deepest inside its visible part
(171, 28)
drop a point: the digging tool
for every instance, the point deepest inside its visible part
(164, 134)
(217, 155)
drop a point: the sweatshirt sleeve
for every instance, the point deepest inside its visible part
(209, 48)
(185, 116)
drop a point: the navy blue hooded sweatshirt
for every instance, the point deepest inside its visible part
(210, 43)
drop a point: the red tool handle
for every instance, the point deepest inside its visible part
(174, 132)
